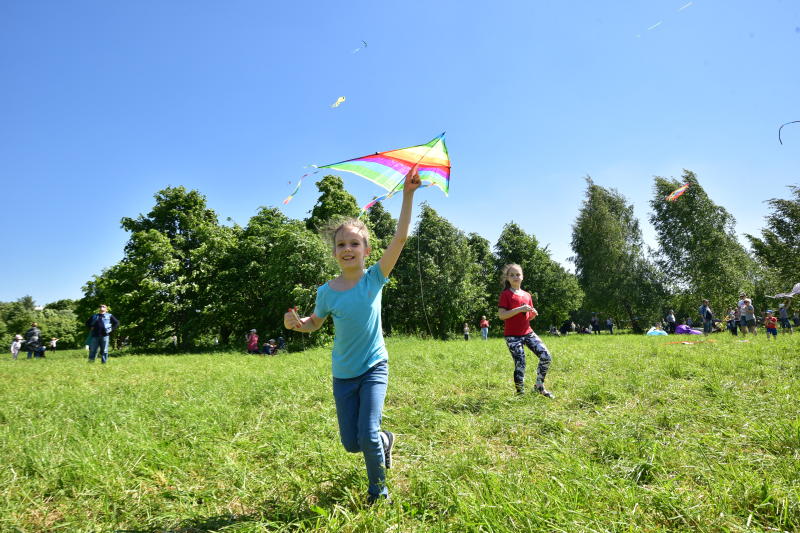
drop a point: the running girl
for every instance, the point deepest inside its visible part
(360, 360)
(516, 309)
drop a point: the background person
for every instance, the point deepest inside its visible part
(33, 344)
(484, 325)
(16, 346)
(100, 325)
(252, 342)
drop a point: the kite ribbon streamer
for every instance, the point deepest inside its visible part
(299, 183)
(677, 193)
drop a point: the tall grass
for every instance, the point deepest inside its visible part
(642, 436)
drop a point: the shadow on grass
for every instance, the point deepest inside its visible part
(294, 510)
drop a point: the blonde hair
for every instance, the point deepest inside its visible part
(504, 274)
(333, 227)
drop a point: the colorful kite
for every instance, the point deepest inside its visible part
(338, 102)
(677, 193)
(388, 169)
(794, 292)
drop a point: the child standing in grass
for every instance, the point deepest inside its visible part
(360, 360)
(771, 324)
(516, 309)
(16, 346)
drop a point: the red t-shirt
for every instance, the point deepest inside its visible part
(518, 324)
(771, 322)
(484, 323)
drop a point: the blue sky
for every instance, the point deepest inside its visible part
(105, 103)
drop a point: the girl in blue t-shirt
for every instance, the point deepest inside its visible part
(359, 360)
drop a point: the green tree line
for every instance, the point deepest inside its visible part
(186, 274)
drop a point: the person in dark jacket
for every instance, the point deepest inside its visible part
(33, 342)
(100, 325)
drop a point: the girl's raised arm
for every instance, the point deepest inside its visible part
(392, 253)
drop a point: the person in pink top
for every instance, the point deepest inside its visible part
(252, 342)
(516, 309)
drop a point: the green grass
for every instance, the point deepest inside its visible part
(642, 436)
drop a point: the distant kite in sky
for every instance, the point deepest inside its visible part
(782, 125)
(794, 292)
(677, 193)
(338, 102)
(388, 169)
(363, 45)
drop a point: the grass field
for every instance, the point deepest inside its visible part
(642, 436)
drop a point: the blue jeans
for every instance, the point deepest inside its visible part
(708, 326)
(484, 333)
(102, 344)
(359, 407)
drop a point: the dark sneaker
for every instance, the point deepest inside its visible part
(544, 392)
(388, 444)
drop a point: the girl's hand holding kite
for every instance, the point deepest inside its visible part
(292, 321)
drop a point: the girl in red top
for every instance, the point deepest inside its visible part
(516, 309)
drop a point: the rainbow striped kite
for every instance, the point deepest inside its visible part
(388, 169)
(677, 193)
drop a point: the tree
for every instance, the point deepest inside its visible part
(437, 280)
(610, 264)
(555, 291)
(61, 305)
(277, 263)
(334, 201)
(698, 248)
(779, 246)
(486, 275)
(160, 288)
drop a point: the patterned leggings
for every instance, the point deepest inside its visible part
(516, 345)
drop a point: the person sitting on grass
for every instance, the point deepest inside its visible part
(360, 361)
(516, 309)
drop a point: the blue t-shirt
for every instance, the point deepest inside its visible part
(358, 344)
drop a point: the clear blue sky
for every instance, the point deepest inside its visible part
(104, 103)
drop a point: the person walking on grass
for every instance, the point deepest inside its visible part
(360, 361)
(16, 346)
(466, 331)
(516, 309)
(484, 325)
(100, 325)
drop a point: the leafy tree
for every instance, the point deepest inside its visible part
(382, 226)
(613, 272)
(334, 201)
(438, 288)
(277, 263)
(61, 305)
(486, 277)
(160, 287)
(555, 291)
(778, 248)
(698, 248)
